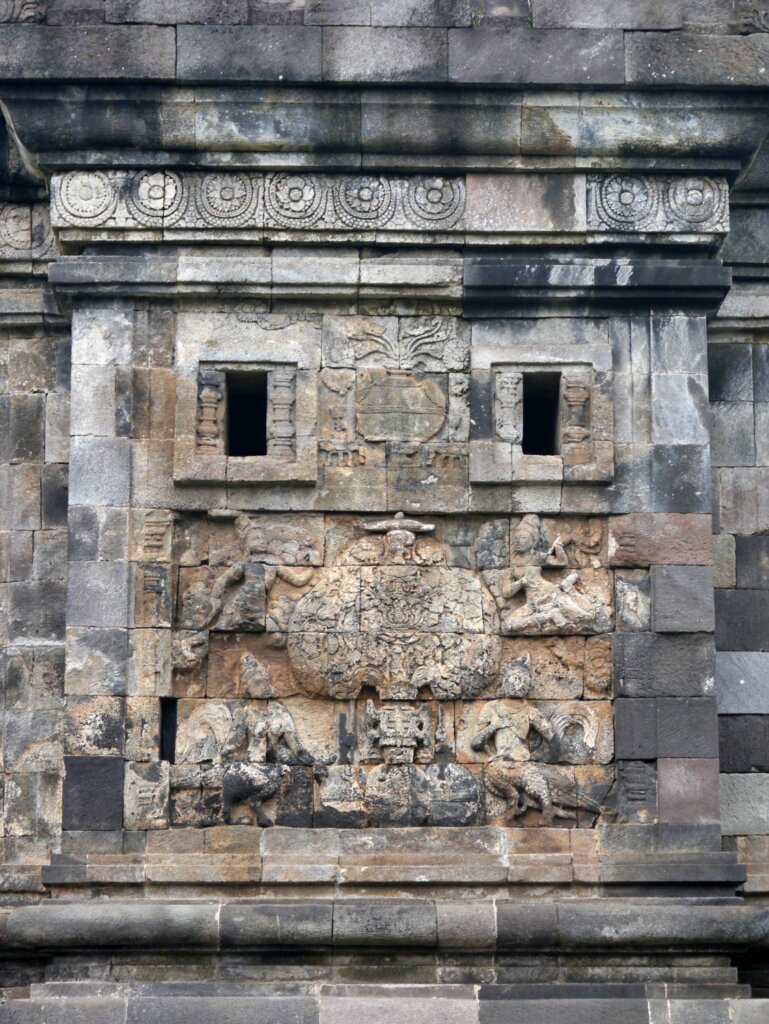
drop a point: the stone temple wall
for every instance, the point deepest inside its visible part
(385, 490)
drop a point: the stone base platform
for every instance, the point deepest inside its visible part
(349, 1004)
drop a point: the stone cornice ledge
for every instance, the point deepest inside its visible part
(379, 923)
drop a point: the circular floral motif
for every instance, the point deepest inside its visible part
(15, 228)
(156, 197)
(436, 199)
(225, 198)
(87, 197)
(695, 200)
(295, 200)
(627, 201)
(364, 201)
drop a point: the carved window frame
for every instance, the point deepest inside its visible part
(585, 432)
(201, 416)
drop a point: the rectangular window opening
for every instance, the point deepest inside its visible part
(541, 413)
(247, 413)
(168, 706)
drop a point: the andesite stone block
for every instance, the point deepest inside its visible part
(87, 52)
(730, 372)
(98, 594)
(680, 478)
(694, 59)
(281, 924)
(752, 555)
(173, 12)
(521, 56)
(742, 620)
(742, 682)
(744, 804)
(642, 539)
(732, 436)
(385, 922)
(724, 561)
(602, 14)
(687, 727)
(237, 53)
(668, 665)
(635, 729)
(682, 599)
(385, 54)
(93, 793)
(687, 789)
(743, 743)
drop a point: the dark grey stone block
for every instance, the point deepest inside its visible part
(27, 428)
(742, 679)
(761, 373)
(680, 478)
(171, 12)
(267, 1009)
(635, 729)
(742, 620)
(337, 12)
(281, 924)
(54, 489)
(63, 1011)
(652, 665)
(519, 924)
(523, 56)
(743, 743)
(385, 55)
(76, 52)
(83, 537)
(481, 406)
(92, 798)
(682, 599)
(752, 562)
(423, 13)
(695, 59)
(243, 53)
(730, 373)
(678, 344)
(110, 924)
(575, 1011)
(680, 411)
(98, 594)
(36, 610)
(732, 434)
(687, 727)
(385, 922)
(100, 471)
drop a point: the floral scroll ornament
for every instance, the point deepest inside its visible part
(87, 197)
(156, 198)
(226, 199)
(22, 10)
(627, 202)
(295, 200)
(437, 200)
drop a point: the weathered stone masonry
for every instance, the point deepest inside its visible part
(385, 487)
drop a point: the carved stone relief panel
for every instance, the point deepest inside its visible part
(356, 671)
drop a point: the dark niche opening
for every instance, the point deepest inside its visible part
(541, 413)
(247, 413)
(168, 706)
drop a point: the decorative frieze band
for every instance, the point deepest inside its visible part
(640, 203)
(244, 200)
(369, 205)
